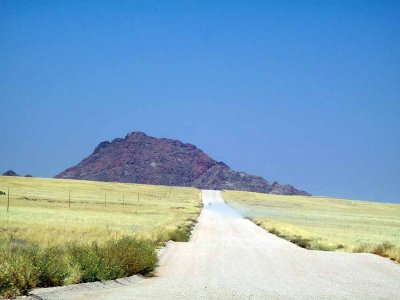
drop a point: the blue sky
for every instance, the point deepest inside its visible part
(301, 92)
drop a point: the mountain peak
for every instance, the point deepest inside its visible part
(137, 135)
(139, 158)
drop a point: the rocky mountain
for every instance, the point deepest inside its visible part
(139, 158)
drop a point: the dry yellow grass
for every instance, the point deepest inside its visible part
(40, 210)
(325, 223)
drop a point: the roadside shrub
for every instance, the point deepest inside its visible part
(275, 231)
(88, 258)
(18, 271)
(361, 248)
(24, 266)
(382, 249)
(114, 259)
(55, 267)
(301, 242)
(131, 256)
(394, 254)
(181, 234)
(340, 246)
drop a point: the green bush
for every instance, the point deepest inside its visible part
(24, 266)
(181, 234)
(131, 256)
(88, 258)
(19, 273)
(55, 267)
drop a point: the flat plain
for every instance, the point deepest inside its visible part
(323, 223)
(57, 211)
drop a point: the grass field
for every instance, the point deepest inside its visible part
(324, 223)
(56, 217)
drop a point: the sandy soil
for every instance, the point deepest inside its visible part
(229, 257)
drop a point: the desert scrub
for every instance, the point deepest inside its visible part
(24, 265)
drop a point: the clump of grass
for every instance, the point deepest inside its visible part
(384, 249)
(322, 245)
(301, 242)
(181, 233)
(394, 254)
(273, 230)
(295, 239)
(24, 266)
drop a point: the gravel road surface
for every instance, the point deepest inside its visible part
(229, 257)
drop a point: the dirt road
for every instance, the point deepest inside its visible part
(229, 257)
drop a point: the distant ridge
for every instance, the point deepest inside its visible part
(139, 158)
(10, 173)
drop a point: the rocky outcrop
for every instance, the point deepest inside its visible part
(139, 158)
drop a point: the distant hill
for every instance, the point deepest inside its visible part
(10, 173)
(139, 158)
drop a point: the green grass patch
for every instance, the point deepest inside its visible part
(24, 266)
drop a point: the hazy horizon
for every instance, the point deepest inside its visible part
(300, 93)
